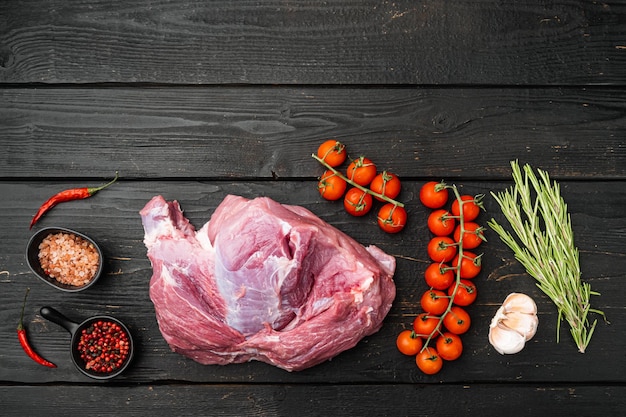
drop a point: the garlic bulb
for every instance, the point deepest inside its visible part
(514, 324)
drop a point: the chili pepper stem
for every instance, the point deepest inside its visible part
(93, 190)
(69, 195)
(20, 325)
(21, 337)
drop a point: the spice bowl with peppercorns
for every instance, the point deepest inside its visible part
(68, 260)
(101, 346)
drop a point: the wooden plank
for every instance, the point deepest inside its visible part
(196, 100)
(112, 219)
(316, 400)
(270, 133)
(366, 42)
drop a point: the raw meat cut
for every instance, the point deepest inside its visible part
(262, 281)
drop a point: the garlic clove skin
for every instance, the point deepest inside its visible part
(506, 341)
(500, 315)
(522, 323)
(520, 303)
(514, 323)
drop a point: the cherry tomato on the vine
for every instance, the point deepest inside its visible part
(434, 194)
(409, 343)
(429, 361)
(439, 276)
(357, 203)
(473, 235)
(386, 184)
(330, 186)
(470, 264)
(362, 171)
(471, 207)
(465, 293)
(441, 249)
(392, 218)
(434, 302)
(440, 223)
(449, 346)
(425, 324)
(457, 320)
(332, 152)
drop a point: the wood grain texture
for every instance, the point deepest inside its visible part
(195, 100)
(341, 42)
(237, 132)
(112, 219)
(316, 400)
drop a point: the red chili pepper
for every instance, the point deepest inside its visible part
(68, 195)
(21, 336)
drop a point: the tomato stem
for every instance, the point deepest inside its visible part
(360, 187)
(337, 147)
(457, 282)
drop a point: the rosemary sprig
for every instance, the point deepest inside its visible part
(545, 247)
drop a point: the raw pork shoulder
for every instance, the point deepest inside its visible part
(262, 281)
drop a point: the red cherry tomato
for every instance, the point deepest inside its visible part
(471, 207)
(434, 302)
(465, 293)
(449, 346)
(440, 222)
(441, 249)
(439, 276)
(330, 186)
(434, 194)
(473, 235)
(457, 321)
(357, 203)
(386, 184)
(392, 218)
(408, 343)
(362, 171)
(470, 264)
(332, 152)
(429, 361)
(425, 325)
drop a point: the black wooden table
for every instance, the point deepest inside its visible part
(196, 100)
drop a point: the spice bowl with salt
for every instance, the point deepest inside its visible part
(65, 259)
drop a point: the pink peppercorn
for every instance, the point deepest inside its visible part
(103, 346)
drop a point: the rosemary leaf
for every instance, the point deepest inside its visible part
(543, 242)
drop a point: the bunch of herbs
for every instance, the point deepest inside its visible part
(544, 245)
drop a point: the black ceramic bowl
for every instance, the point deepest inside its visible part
(32, 257)
(76, 329)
